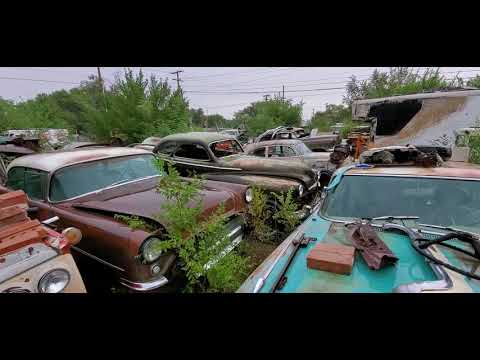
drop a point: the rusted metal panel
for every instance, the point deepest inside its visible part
(440, 114)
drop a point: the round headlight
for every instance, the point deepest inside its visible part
(54, 281)
(151, 250)
(300, 190)
(249, 195)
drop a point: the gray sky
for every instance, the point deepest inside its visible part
(221, 90)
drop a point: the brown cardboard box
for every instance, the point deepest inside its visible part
(332, 258)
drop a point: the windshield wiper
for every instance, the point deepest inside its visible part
(390, 217)
(450, 228)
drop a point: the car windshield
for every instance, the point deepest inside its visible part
(226, 148)
(302, 149)
(84, 178)
(443, 202)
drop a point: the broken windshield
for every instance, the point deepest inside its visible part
(443, 202)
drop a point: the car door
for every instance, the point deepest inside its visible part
(260, 152)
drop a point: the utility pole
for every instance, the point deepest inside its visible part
(283, 92)
(100, 82)
(266, 97)
(178, 78)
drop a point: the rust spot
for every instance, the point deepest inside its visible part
(27, 280)
(2, 260)
(30, 250)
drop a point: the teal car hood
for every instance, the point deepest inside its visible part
(410, 268)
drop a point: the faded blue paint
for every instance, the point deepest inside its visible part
(411, 267)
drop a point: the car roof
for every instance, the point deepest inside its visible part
(152, 140)
(51, 161)
(454, 169)
(203, 137)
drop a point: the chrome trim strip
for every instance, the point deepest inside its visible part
(225, 251)
(83, 252)
(144, 286)
(205, 166)
(100, 190)
(51, 220)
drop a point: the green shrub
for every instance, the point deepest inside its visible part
(286, 211)
(198, 241)
(258, 215)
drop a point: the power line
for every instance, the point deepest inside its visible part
(258, 92)
(39, 80)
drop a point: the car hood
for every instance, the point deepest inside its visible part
(410, 268)
(143, 200)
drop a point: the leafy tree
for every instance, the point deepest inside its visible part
(398, 81)
(264, 115)
(474, 82)
(323, 120)
(136, 108)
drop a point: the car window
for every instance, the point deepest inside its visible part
(259, 152)
(225, 148)
(167, 148)
(280, 151)
(33, 182)
(85, 178)
(192, 151)
(16, 178)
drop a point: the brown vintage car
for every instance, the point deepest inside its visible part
(315, 143)
(87, 188)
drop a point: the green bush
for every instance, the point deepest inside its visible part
(286, 212)
(198, 241)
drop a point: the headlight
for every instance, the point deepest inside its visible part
(54, 281)
(249, 195)
(300, 190)
(151, 249)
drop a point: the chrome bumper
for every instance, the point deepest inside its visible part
(144, 286)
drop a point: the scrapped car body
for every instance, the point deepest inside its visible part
(33, 257)
(290, 150)
(87, 188)
(12, 147)
(418, 119)
(315, 143)
(148, 143)
(412, 211)
(221, 157)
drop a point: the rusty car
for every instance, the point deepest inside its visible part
(315, 143)
(381, 228)
(88, 188)
(147, 144)
(34, 258)
(221, 157)
(11, 147)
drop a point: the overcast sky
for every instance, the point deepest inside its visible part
(221, 90)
